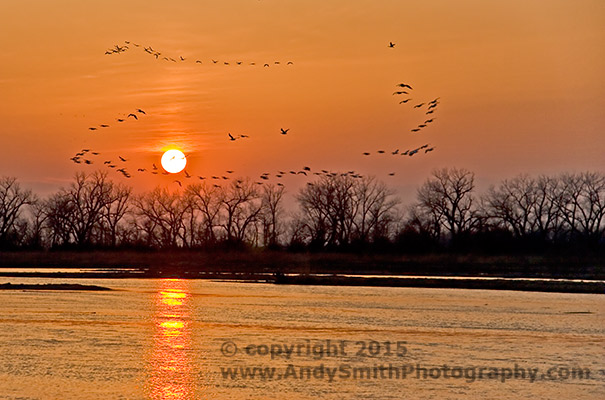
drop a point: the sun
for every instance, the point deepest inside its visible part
(174, 161)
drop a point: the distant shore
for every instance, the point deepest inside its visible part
(572, 274)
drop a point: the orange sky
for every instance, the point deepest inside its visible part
(521, 87)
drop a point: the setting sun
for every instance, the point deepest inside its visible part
(174, 161)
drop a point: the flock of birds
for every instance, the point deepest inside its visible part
(118, 49)
(404, 89)
(87, 156)
(134, 115)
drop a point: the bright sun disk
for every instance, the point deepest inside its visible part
(174, 161)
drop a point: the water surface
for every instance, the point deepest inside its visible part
(174, 339)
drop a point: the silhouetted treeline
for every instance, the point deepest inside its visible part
(336, 212)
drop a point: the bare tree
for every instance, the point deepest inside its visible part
(582, 204)
(525, 206)
(338, 208)
(116, 207)
(162, 214)
(241, 205)
(272, 211)
(376, 206)
(447, 197)
(13, 200)
(207, 200)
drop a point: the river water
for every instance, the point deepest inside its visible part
(194, 339)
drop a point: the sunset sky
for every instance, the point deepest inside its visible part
(521, 87)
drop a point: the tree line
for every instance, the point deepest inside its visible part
(336, 212)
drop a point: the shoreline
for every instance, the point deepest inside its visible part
(435, 282)
(53, 286)
(538, 273)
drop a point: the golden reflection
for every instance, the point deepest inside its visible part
(171, 366)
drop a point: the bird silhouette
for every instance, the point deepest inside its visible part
(404, 85)
(179, 182)
(284, 131)
(104, 126)
(141, 111)
(400, 92)
(231, 137)
(154, 167)
(428, 121)
(266, 65)
(404, 101)
(391, 45)
(430, 112)
(418, 105)
(92, 128)
(415, 129)
(122, 158)
(132, 115)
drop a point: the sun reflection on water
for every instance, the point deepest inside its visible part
(171, 366)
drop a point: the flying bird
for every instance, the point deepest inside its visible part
(418, 105)
(132, 115)
(92, 128)
(284, 131)
(391, 45)
(404, 101)
(231, 137)
(122, 158)
(404, 85)
(179, 182)
(141, 111)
